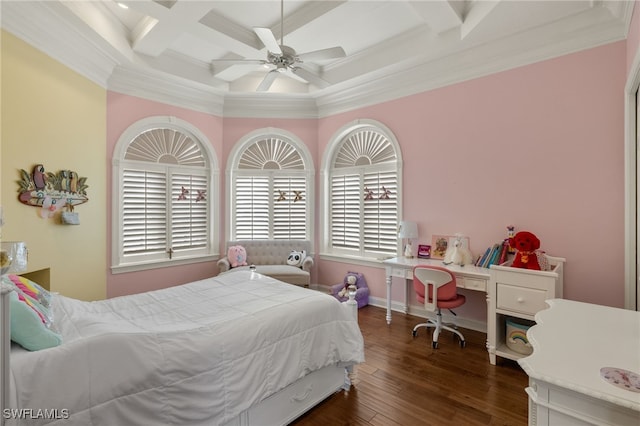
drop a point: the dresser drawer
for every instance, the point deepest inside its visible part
(298, 397)
(519, 299)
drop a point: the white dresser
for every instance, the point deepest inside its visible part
(572, 342)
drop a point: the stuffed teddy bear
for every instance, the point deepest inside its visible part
(526, 245)
(296, 257)
(351, 281)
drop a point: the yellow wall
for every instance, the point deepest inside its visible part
(55, 117)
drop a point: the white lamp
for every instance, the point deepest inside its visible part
(408, 230)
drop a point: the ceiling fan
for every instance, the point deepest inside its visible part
(285, 58)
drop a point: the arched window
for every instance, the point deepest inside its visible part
(270, 195)
(164, 187)
(362, 191)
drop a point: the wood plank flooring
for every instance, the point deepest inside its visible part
(403, 381)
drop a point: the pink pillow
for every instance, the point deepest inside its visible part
(237, 256)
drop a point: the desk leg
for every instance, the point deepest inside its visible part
(389, 281)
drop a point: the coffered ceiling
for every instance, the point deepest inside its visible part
(169, 49)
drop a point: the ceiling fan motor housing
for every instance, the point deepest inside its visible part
(286, 60)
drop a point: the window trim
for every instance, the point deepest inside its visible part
(118, 265)
(325, 184)
(234, 161)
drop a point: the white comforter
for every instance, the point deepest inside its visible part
(197, 354)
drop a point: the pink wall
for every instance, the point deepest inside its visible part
(539, 147)
(122, 112)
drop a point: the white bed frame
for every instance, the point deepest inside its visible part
(5, 350)
(280, 408)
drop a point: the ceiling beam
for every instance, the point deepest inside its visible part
(156, 35)
(440, 15)
(477, 13)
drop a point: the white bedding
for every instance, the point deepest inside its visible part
(197, 354)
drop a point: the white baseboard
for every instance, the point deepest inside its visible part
(398, 309)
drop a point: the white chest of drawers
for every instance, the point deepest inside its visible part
(519, 293)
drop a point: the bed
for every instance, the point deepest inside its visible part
(237, 349)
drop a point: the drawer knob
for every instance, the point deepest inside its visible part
(520, 299)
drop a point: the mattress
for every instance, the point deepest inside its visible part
(196, 354)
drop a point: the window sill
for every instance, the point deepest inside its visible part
(134, 267)
(375, 262)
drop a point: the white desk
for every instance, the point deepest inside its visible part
(469, 276)
(571, 342)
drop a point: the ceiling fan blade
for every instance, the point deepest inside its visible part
(268, 81)
(238, 61)
(268, 39)
(310, 77)
(319, 55)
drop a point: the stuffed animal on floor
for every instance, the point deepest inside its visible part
(351, 281)
(526, 245)
(296, 257)
(457, 254)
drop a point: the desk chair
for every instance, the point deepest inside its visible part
(440, 286)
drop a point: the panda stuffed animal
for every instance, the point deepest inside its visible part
(296, 257)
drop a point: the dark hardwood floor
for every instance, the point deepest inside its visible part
(403, 381)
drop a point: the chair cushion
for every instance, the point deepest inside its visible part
(286, 273)
(447, 304)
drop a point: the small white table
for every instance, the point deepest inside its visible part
(571, 342)
(468, 276)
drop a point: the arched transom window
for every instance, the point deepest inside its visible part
(363, 192)
(270, 188)
(164, 197)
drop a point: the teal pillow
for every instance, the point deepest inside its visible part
(27, 328)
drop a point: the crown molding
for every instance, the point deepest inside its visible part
(166, 89)
(269, 105)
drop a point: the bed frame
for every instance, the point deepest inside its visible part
(5, 349)
(280, 408)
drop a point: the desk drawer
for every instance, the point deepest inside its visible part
(402, 273)
(472, 283)
(519, 299)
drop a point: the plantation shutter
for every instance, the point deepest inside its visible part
(189, 216)
(380, 213)
(252, 207)
(144, 200)
(346, 196)
(290, 208)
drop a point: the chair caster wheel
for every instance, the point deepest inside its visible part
(463, 343)
(434, 345)
(414, 333)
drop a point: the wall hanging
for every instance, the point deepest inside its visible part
(52, 191)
